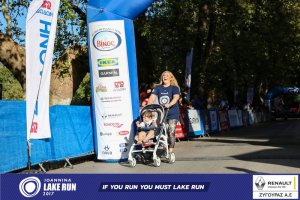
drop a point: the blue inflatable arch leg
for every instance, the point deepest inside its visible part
(113, 67)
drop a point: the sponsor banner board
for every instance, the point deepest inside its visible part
(233, 118)
(182, 125)
(111, 88)
(195, 122)
(214, 121)
(162, 186)
(223, 120)
(275, 187)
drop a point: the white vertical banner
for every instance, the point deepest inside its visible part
(250, 94)
(111, 88)
(40, 34)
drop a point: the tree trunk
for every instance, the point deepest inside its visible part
(66, 75)
(207, 22)
(12, 55)
(209, 44)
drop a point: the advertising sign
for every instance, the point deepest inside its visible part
(223, 120)
(111, 88)
(162, 186)
(182, 125)
(40, 34)
(233, 118)
(214, 121)
(195, 122)
(275, 187)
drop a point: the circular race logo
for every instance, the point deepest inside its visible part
(106, 40)
(164, 100)
(29, 187)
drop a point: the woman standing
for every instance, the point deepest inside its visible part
(167, 93)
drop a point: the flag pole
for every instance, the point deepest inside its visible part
(28, 155)
(29, 170)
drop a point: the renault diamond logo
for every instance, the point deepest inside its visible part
(260, 183)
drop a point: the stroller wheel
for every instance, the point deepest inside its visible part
(172, 158)
(132, 162)
(156, 162)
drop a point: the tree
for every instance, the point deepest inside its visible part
(11, 88)
(173, 27)
(242, 43)
(259, 40)
(71, 63)
(237, 44)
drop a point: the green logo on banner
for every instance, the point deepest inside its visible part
(106, 62)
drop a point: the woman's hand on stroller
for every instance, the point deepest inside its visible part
(167, 105)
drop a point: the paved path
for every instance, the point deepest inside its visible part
(273, 147)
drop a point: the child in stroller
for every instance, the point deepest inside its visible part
(146, 128)
(158, 147)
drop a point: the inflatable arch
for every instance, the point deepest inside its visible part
(113, 67)
(279, 90)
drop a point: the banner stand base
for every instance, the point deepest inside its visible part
(29, 170)
(42, 170)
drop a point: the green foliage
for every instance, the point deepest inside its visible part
(297, 98)
(259, 40)
(16, 11)
(83, 93)
(12, 89)
(71, 25)
(256, 43)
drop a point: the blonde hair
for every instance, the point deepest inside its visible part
(173, 79)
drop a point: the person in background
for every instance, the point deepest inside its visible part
(183, 100)
(146, 98)
(167, 93)
(224, 105)
(142, 92)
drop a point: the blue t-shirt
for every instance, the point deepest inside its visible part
(165, 95)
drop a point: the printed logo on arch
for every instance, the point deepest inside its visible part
(275, 186)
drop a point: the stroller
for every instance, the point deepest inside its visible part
(157, 148)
